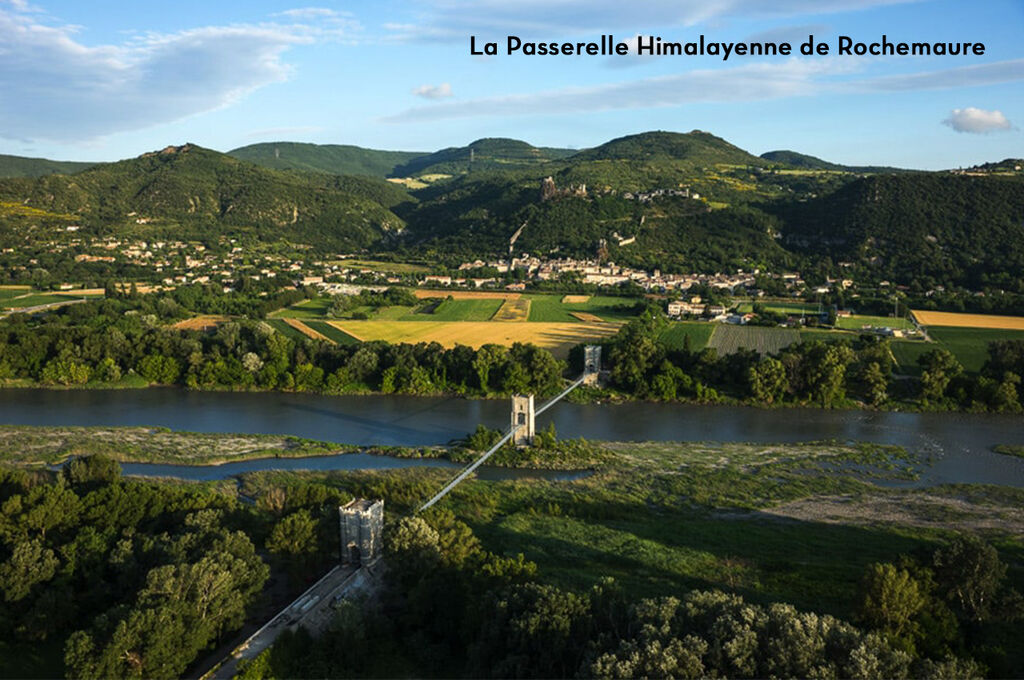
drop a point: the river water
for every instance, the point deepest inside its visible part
(957, 446)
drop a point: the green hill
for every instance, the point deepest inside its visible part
(694, 148)
(21, 166)
(932, 228)
(484, 154)
(195, 192)
(805, 162)
(334, 159)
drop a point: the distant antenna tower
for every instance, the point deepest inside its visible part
(277, 152)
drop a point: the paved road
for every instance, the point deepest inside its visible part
(314, 610)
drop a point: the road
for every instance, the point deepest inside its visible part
(314, 610)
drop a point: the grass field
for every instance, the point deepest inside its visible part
(795, 308)
(284, 329)
(699, 333)
(36, 299)
(556, 337)
(513, 310)
(301, 327)
(906, 353)
(855, 323)
(987, 321)
(480, 309)
(203, 322)
(728, 338)
(970, 345)
(307, 309)
(330, 332)
(554, 308)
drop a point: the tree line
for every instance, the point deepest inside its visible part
(449, 608)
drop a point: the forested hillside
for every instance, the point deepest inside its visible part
(191, 191)
(20, 166)
(333, 159)
(936, 229)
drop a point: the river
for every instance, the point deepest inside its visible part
(956, 445)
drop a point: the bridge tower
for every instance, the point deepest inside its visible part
(362, 522)
(591, 364)
(523, 414)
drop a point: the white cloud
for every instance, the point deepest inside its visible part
(441, 91)
(446, 20)
(309, 13)
(56, 88)
(794, 77)
(977, 121)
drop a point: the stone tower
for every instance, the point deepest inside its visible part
(591, 364)
(362, 522)
(522, 414)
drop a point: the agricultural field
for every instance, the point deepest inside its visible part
(203, 322)
(556, 337)
(514, 310)
(284, 329)
(794, 308)
(32, 299)
(970, 345)
(307, 309)
(8, 292)
(562, 309)
(699, 333)
(728, 338)
(423, 293)
(330, 332)
(857, 322)
(475, 309)
(951, 319)
(301, 327)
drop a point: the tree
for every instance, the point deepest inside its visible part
(939, 368)
(969, 572)
(876, 383)
(890, 599)
(30, 563)
(768, 381)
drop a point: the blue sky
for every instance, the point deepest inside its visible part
(103, 80)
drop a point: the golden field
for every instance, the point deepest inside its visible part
(555, 337)
(575, 299)
(203, 322)
(513, 310)
(587, 316)
(1007, 323)
(465, 294)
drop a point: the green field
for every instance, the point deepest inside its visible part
(795, 308)
(335, 334)
(699, 333)
(855, 323)
(286, 330)
(307, 309)
(728, 338)
(467, 309)
(38, 299)
(970, 345)
(551, 308)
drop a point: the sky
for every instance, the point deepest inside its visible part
(104, 80)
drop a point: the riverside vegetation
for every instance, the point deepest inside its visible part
(671, 559)
(126, 340)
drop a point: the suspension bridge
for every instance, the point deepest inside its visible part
(522, 429)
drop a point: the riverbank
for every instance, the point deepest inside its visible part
(581, 395)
